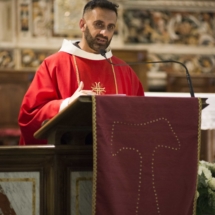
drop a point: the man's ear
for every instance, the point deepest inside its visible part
(82, 25)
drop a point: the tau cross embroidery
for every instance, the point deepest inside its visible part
(98, 88)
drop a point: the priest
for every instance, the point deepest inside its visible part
(77, 69)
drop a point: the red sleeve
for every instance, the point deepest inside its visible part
(41, 102)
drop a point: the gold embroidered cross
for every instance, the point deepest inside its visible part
(98, 88)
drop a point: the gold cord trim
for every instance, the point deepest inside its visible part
(76, 69)
(198, 155)
(94, 155)
(114, 76)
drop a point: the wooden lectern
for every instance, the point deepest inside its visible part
(72, 126)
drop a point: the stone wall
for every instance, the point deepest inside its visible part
(176, 30)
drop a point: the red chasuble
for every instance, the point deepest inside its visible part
(58, 78)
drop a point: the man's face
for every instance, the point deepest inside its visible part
(98, 42)
(99, 25)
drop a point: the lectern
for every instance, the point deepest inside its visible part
(142, 146)
(144, 152)
(72, 126)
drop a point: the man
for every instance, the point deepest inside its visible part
(77, 69)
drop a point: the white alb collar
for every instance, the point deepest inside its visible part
(70, 48)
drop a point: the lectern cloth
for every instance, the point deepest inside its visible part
(58, 77)
(146, 152)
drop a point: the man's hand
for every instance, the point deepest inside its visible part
(80, 92)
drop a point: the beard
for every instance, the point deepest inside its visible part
(93, 42)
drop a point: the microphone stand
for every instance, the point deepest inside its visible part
(103, 53)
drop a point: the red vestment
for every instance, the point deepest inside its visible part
(58, 78)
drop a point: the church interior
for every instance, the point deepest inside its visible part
(147, 31)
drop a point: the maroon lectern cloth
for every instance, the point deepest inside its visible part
(146, 153)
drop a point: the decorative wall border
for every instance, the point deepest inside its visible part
(7, 58)
(170, 6)
(185, 5)
(167, 18)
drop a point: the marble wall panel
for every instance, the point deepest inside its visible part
(66, 17)
(42, 18)
(23, 20)
(24, 17)
(6, 21)
(19, 193)
(81, 193)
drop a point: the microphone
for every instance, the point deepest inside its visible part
(103, 53)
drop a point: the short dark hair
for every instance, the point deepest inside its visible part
(104, 4)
